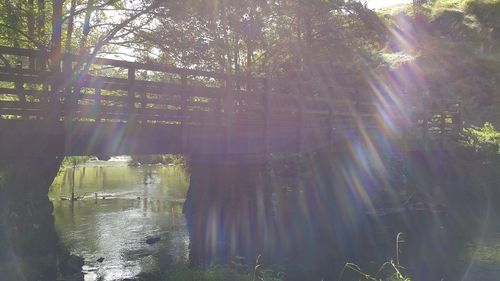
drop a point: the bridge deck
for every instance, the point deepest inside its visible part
(114, 107)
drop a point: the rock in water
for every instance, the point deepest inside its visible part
(152, 240)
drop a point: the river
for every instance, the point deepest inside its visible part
(128, 223)
(117, 233)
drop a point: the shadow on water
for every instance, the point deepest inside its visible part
(308, 216)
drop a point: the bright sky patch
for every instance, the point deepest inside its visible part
(376, 4)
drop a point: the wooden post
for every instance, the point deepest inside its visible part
(131, 95)
(267, 117)
(458, 118)
(356, 117)
(53, 103)
(146, 112)
(424, 118)
(19, 85)
(98, 105)
(331, 117)
(64, 85)
(49, 101)
(41, 61)
(227, 105)
(300, 117)
(184, 112)
(442, 121)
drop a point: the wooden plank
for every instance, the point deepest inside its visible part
(141, 116)
(22, 52)
(318, 99)
(23, 112)
(28, 92)
(127, 64)
(25, 72)
(22, 79)
(164, 89)
(23, 105)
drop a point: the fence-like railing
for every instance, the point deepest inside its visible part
(74, 90)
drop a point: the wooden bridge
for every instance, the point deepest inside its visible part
(110, 107)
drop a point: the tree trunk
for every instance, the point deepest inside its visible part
(69, 32)
(40, 25)
(17, 24)
(31, 27)
(55, 50)
(86, 26)
(28, 241)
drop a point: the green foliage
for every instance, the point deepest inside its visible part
(218, 273)
(440, 5)
(486, 11)
(482, 16)
(73, 161)
(395, 9)
(482, 139)
(271, 38)
(455, 47)
(24, 23)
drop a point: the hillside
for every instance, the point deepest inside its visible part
(452, 49)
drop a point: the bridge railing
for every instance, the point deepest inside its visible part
(107, 91)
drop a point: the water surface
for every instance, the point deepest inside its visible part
(134, 206)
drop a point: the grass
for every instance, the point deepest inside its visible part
(228, 273)
(223, 273)
(220, 273)
(394, 266)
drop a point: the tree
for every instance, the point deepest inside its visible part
(268, 38)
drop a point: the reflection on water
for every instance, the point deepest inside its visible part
(122, 213)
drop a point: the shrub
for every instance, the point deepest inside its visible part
(485, 139)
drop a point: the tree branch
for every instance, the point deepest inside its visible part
(108, 37)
